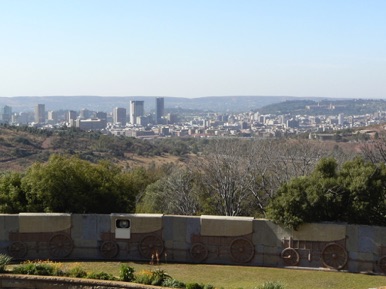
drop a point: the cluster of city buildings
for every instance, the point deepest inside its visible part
(134, 122)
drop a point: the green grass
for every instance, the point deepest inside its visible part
(248, 277)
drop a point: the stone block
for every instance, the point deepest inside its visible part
(192, 228)
(352, 242)
(266, 232)
(8, 223)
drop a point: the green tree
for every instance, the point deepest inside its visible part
(12, 196)
(69, 184)
(353, 194)
(366, 183)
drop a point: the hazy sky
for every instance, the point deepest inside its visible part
(329, 48)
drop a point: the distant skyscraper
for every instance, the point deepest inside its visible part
(119, 115)
(341, 119)
(5, 114)
(136, 110)
(40, 113)
(159, 109)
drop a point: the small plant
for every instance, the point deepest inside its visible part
(76, 271)
(4, 261)
(101, 276)
(271, 285)
(126, 273)
(45, 268)
(172, 283)
(158, 276)
(144, 277)
(194, 286)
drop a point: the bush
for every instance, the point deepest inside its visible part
(173, 283)
(156, 277)
(271, 285)
(44, 268)
(76, 272)
(4, 261)
(194, 286)
(126, 273)
(144, 277)
(101, 276)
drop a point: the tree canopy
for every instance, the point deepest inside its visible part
(355, 193)
(69, 184)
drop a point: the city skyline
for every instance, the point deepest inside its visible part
(193, 49)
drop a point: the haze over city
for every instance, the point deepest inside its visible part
(193, 48)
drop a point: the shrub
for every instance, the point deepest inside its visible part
(172, 283)
(101, 276)
(144, 277)
(77, 272)
(4, 261)
(126, 273)
(45, 268)
(271, 285)
(158, 276)
(194, 286)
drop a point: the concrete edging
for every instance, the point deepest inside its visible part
(16, 281)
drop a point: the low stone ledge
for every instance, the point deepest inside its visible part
(15, 281)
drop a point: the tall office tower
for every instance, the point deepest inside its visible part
(159, 109)
(341, 118)
(40, 113)
(5, 114)
(119, 115)
(136, 110)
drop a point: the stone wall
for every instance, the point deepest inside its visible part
(195, 239)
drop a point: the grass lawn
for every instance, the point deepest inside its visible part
(248, 277)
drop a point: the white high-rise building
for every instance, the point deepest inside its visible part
(341, 119)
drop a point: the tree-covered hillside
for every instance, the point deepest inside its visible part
(20, 147)
(325, 107)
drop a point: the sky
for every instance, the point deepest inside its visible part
(193, 48)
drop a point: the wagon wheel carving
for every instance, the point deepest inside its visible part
(18, 249)
(290, 257)
(151, 245)
(382, 264)
(334, 256)
(242, 250)
(60, 245)
(199, 252)
(109, 249)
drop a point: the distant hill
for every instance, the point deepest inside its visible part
(22, 146)
(107, 103)
(325, 106)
